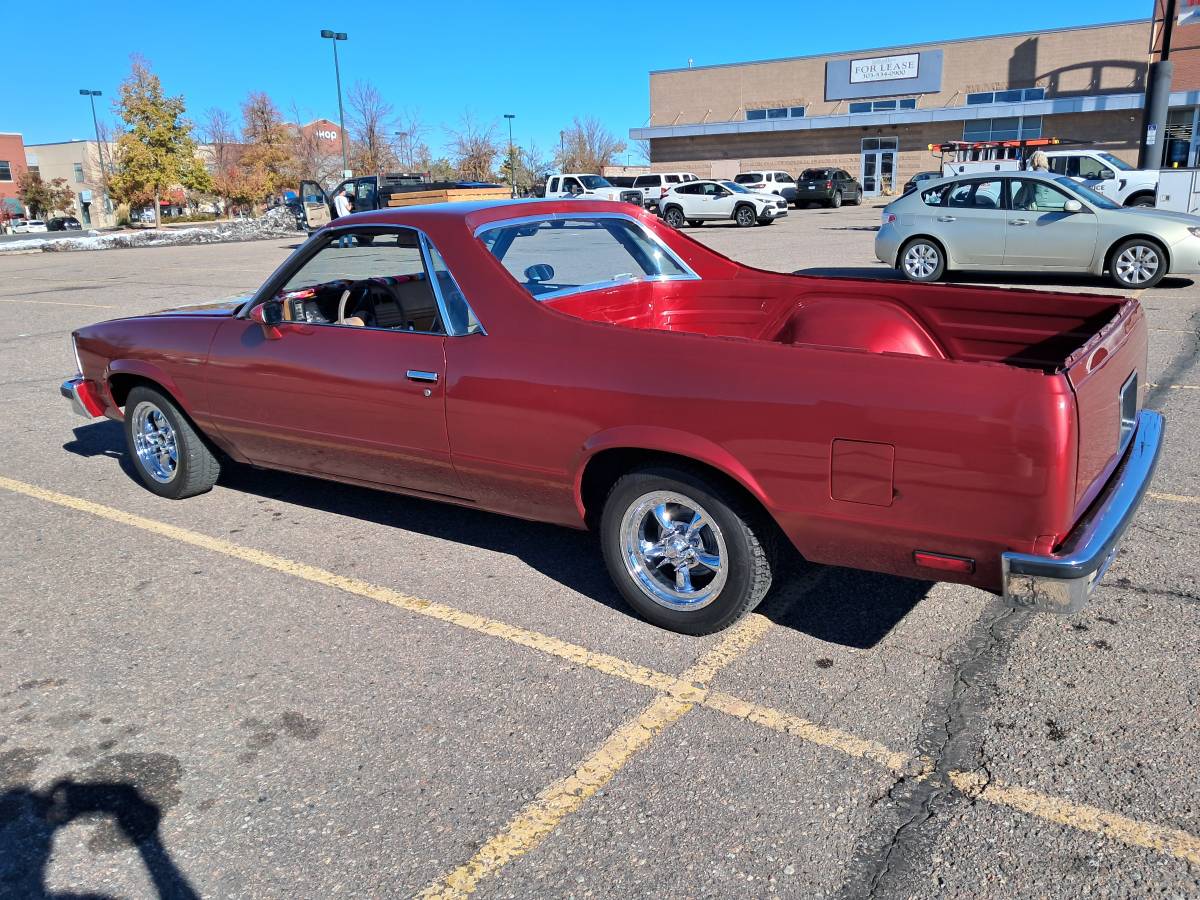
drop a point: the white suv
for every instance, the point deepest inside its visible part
(655, 186)
(699, 201)
(769, 182)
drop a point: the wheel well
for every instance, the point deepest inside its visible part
(121, 383)
(1139, 237)
(922, 237)
(1129, 200)
(746, 204)
(603, 470)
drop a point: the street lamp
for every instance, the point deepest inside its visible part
(92, 95)
(407, 148)
(336, 36)
(512, 163)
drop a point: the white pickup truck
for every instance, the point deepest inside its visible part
(1102, 172)
(593, 187)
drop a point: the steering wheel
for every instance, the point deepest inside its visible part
(343, 302)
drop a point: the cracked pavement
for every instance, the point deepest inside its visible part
(268, 735)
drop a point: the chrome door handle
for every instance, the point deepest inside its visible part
(417, 375)
(1018, 221)
(947, 219)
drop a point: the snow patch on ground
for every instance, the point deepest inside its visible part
(275, 223)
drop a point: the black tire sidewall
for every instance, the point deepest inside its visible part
(738, 217)
(836, 202)
(674, 217)
(1136, 242)
(191, 453)
(731, 603)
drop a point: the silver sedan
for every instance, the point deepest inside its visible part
(1033, 222)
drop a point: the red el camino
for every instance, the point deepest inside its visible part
(578, 362)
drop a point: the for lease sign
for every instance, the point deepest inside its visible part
(884, 68)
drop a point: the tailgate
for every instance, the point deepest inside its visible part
(1108, 376)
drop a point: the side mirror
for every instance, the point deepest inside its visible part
(1106, 174)
(1072, 206)
(539, 273)
(269, 315)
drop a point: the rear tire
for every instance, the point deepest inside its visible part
(1137, 264)
(836, 202)
(745, 216)
(922, 260)
(673, 217)
(1143, 201)
(687, 554)
(170, 457)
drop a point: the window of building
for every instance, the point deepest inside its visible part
(5, 170)
(775, 112)
(887, 143)
(1016, 95)
(79, 173)
(867, 106)
(1008, 128)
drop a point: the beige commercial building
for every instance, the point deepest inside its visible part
(874, 112)
(78, 162)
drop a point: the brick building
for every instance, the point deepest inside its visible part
(874, 112)
(12, 164)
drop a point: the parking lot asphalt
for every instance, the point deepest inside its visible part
(287, 687)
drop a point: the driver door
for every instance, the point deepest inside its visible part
(363, 400)
(718, 202)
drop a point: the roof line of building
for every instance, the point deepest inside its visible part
(70, 141)
(840, 53)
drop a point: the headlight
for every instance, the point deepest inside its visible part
(1195, 230)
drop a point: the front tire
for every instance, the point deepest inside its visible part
(695, 223)
(857, 201)
(1137, 264)
(673, 217)
(922, 260)
(1143, 201)
(686, 554)
(170, 457)
(745, 217)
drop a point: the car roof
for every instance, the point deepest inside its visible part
(473, 214)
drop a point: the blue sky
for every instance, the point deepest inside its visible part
(545, 62)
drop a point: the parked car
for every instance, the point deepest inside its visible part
(829, 187)
(917, 180)
(592, 187)
(1033, 222)
(655, 186)
(769, 182)
(18, 226)
(539, 359)
(698, 202)
(64, 223)
(1107, 174)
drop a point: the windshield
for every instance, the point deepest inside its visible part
(735, 187)
(1084, 193)
(553, 257)
(594, 181)
(1115, 163)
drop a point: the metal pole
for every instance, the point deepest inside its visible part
(512, 163)
(1158, 98)
(337, 72)
(92, 95)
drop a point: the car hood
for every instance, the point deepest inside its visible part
(226, 307)
(1161, 215)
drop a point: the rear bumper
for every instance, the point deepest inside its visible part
(83, 397)
(1064, 581)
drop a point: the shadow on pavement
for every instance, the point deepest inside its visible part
(849, 607)
(29, 820)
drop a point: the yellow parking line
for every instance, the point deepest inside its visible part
(54, 303)
(1133, 832)
(1081, 817)
(538, 820)
(1173, 498)
(1176, 387)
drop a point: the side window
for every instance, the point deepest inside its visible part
(960, 194)
(553, 186)
(368, 279)
(1065, 165)
(1090, 168)
(458, 311)
(711, 190)
(687, 189)
(364, 194)
(673, 179)
(572, 186)
(935, 196)
(1036, 196)
(784, 177)
(987, 195)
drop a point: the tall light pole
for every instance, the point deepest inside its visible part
(92, 95)
(407, 162)
(336, 36)
(512, 163)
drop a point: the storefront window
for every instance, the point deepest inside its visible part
(775, 112)
(1008, 128)
(1016, 95)
(867, 106)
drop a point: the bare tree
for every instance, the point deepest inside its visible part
(474, 148)
(411, 150)
(370, 123)
(315, 159)
(587, 146)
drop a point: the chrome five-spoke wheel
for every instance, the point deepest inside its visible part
(154, 442)
(674, 550)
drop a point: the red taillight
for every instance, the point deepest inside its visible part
(663, 192)
(889, 218)
(943, 561)
(828, 185)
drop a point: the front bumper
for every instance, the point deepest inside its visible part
(83, 397)
(773, 212)
(1063, 581)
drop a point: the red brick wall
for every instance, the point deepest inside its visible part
(1185, 47)
(12, 150)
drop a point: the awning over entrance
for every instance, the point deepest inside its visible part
(12, 205)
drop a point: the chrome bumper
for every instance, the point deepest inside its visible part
(73, 389)
(1064, 581)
